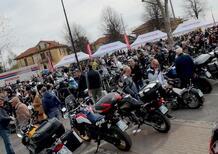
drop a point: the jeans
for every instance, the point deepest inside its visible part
(5, 134)
(55, 113)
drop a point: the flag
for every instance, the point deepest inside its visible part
(89, 50)
(50, 64)
(127, 41)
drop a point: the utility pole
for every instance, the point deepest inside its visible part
(174, 16)
(70, 34)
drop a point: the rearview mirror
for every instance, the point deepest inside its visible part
(19, 135)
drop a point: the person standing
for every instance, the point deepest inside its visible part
(184, 67)
(81, 79)
(37, 105)
(128, 85)
(22, 112)
(136, 73)
(94, 84)
(4, 130)
(154, 73)
(50, 104)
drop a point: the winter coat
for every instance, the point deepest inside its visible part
(4, 119)
(50, 102)
(22, 114)
(184, 66)
(37, 105)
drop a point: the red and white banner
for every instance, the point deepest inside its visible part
(50, 64)
(89, 51)
(127, 41)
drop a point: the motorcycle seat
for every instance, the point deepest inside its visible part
(94, 117)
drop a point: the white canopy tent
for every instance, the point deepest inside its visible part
(109, 48)
(148, 37)
(69, 59)
(189, 26)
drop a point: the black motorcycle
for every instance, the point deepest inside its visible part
(49, 137)
(206, 67)
(137, 112)
(188, 97)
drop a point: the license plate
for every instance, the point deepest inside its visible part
(163, 109)
(64, 150)
(208, 74)
(200, 93)
(122, 125)
(66, 115)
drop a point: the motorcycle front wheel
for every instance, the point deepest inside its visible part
(120, 139)
(84, 134)
(160, 122)
(192, 100)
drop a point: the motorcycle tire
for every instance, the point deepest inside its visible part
(158, 119)
(191, 100)
(204, 85)
(84, 135)
(125, 142)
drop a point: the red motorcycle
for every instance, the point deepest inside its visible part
(125, 106)
(93, 126)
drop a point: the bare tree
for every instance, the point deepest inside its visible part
(79, 36)
(152, 13)
(6, 41)
(112, 24)
(194, 8)
(164, 9)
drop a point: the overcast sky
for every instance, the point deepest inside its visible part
(35, 20)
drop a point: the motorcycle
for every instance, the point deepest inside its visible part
(206, 67)
(213, 147)
(50, 137)
(189, 97)
(125, 106)
(93, 126)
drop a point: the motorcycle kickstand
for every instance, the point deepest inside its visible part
(98, 144)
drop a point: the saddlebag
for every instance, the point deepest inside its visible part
(151, 92)
(213, 68)
(71, 140)
(46, 134)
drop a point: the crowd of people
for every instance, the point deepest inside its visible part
(46, 93)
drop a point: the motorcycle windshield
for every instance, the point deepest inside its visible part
(202, 59)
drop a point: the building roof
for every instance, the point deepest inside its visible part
(34, 50)
(149, 26)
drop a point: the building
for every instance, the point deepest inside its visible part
(105, 39)
(153, 24)
(39, 54)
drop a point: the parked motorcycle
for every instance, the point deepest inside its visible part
(214, 141)
(151, 113)
(189, 97)
(50, 137)
(93, 126)
(206, 67)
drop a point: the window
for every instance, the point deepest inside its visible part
(25, 61)
(43, 55)
(49, 54)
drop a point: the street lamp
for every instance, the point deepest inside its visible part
(70, 34)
